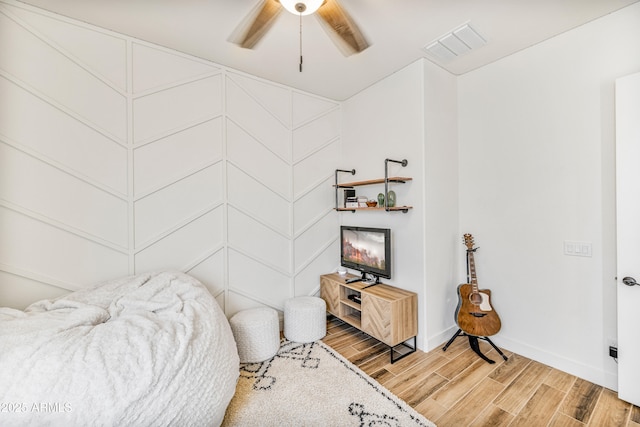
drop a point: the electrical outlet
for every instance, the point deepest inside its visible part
(613, 351)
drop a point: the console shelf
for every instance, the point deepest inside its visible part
(386, 313)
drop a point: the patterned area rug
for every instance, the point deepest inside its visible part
(312, 385)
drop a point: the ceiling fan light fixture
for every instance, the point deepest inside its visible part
(302, 7)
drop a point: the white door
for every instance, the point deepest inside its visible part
(628, 235)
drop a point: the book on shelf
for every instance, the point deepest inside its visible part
(351, 202)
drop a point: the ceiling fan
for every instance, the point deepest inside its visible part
(336, 21)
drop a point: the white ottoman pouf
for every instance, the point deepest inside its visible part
(305, 319)
(257, 334)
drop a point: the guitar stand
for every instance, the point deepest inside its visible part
(473, 343)
(473, 339)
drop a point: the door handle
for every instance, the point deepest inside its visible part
(629, 281)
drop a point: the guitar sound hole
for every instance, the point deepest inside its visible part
(476, 299)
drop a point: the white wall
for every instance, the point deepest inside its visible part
(536, 169)
(442, 238)
(119, 157)
(404, 117)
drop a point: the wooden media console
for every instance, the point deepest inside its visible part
(384, 312)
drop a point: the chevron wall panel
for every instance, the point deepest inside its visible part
(40, 250)
(51, 72)
(254, 119)
(36, 186)
(258, 241)
(178, 152)
(211, 273)
(315, 134)
(188, 198)
(257, 160)
(286, 163)
(312, 170)
(306, 107)
(169, 110)
(60, 139)
(145, 158)
(306, 280)
(274, 100)
(19, 291)
(249, 195)
(309, 244)
(313, 205)
(175, 156)
(64, 212)
(152, 70)
(81, 43)
(185, 246)
(257, 281)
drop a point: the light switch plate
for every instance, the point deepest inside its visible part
(573, 248)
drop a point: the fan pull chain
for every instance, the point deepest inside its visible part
(300, 41)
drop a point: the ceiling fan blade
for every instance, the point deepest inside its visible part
(256, 24)
(342, 29)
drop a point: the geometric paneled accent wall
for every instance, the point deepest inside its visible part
(281, 150)
(119, 157)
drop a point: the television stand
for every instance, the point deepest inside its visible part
(371, 281)
(384, 312)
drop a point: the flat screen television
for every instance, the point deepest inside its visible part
(367, 250)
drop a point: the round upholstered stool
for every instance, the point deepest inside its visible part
(257, 334)
(305, 319)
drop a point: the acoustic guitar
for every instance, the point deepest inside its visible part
(474, 314)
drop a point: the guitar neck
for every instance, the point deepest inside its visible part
(472, 272)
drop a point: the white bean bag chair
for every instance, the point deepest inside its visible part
(148, 350)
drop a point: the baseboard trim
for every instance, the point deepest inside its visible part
(579, 369)
(586, 372)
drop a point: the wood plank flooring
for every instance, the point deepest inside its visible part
(457, 388)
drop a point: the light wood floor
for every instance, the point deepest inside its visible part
(457, 388)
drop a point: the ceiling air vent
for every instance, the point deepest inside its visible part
(455, 43)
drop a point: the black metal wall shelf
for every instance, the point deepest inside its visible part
(386, 180)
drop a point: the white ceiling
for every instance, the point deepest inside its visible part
(396, 29)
